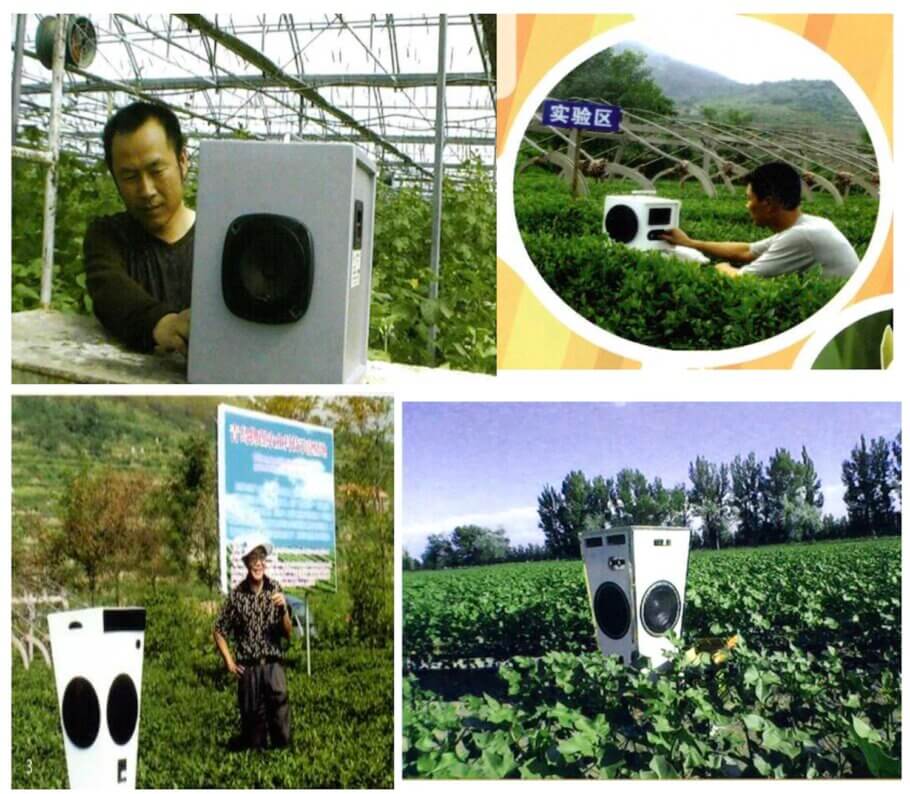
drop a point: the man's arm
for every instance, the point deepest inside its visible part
(279, 601)
(734, 252)
(225, 651)
(121, 305)
(728, 270)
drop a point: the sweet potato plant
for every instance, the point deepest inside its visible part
(504, 678)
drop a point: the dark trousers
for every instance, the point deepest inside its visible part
(262, 694)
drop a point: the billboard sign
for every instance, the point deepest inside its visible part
(276, 477)
(576, 115)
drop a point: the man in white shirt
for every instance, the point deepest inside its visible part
(773, 194)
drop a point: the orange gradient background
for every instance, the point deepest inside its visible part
(528, 336)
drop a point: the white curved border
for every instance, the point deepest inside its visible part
(512, 250)
(816, 343)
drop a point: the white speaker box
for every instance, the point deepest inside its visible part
(636, 579)
(282, 263)
(97, 656)
(637, 220)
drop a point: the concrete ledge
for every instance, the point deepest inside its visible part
(51, 347)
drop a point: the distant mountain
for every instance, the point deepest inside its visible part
(786, 102)
(683, 82)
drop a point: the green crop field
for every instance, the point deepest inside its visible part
(668, 303)
(504, 679)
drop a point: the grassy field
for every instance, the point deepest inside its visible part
(663, 302)
(812, 688)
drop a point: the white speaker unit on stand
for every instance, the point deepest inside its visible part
(636, 578)
(97, 655)
(282, 263)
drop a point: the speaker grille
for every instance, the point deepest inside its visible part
(612, 611)
(81, 713)
(267, 268)
(122, 709)
(621, 223)
(660, 608)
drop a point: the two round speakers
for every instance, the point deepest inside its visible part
(660, 608)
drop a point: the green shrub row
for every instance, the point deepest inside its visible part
(670, 303)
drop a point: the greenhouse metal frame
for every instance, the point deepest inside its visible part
(415, 92)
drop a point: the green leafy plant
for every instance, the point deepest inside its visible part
(402, 311)
(867, 344)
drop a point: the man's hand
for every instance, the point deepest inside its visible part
(172, 332)
(278, 600)
(234, 669)
(728, 270)
(677, 237)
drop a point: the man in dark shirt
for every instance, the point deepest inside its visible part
(139, 263)
(257, 619)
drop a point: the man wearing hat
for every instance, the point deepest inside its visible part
(257, 619)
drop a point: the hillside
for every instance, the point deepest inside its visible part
(788, 102)
(53, 437)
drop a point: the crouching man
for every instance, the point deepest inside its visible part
(799, 240)
(257, 619)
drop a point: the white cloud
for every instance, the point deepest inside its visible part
(520, 524)
(309, 477)
(719, 46)
(834, 500)
(269, 492)
(239, 510)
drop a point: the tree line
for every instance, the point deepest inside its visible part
(745, 502)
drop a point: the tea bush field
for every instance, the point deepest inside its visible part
(341, 717)
(664, 302)
(811, 688)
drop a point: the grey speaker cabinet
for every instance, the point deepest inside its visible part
(282, 263)
(636, 580)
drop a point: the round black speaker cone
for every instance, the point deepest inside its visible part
(660, 608)
(81, 712)
(122, 709)
(612, 611)
(621, 223)
(267, 268)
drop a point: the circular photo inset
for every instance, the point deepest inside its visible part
(683, 200)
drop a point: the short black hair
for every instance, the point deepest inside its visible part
(132, 117)
(777, 180)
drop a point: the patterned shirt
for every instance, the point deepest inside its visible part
(252, 622)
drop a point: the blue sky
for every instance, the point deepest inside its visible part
(486, 463)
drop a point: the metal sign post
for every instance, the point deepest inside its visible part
(306, 608)
(53, 145)
(575, 145)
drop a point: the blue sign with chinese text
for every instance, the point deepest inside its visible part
(579, 115)
(276, 478)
